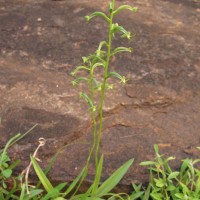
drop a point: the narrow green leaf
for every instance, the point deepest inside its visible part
(97, 14)
(14, 164)
(1, 195)
(117, 75)
(73, 184)
(98, 175)
(157, 196)
(136, 195)
(57, 189)
(88, 100)
(98, 64)
(23, 189)
(125, 7)
(117, 28)
(197, 189)
(33, 193)
(78, 69)
(20, 136)
(3, 154)
(168, 168)
(156, 149)
(136, 188)
(147, 193)
(44, 180)
(120, 49)
(180, 195)
(147, 163)
(196, 161)
(185, 188)
(7, 194)
(78, 80)
(113, 180)
(102, 43)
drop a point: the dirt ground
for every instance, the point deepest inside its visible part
(40, 44)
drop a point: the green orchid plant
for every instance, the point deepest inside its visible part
(101, 59)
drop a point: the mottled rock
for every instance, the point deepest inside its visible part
(41, 43)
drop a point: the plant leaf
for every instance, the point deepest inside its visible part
(7, 173)
(125, 7)
(78, 80)
(88, 100)
(98, 64)
(120, 49)
(56, 189)
(78, 69)
(117, 75)
(73, 184)
(44, 180)
(98, 175)
(113, 180)
(147, 163)
(116, 27)
(97, 14)
(33, 193)
(22, 192)
(173, 175)
(102, 43)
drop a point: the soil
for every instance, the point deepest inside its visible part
(41, 42)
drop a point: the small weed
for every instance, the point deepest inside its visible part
(166, 184)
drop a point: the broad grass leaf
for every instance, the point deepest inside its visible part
(44, 180)
(113, 180)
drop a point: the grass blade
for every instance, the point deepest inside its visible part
(22, 192)
(56, 189)
(44, 180)
(113, 180)
(73, 184)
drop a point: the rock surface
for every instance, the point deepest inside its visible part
(40, 44)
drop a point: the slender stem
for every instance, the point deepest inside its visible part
(92, 114)
(104, 84)
(93, 118)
